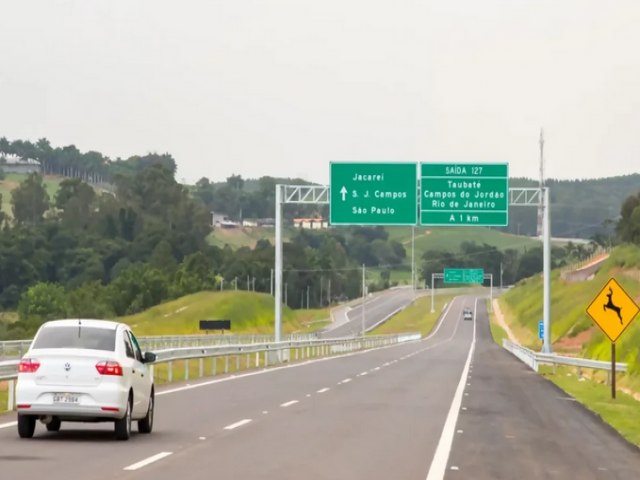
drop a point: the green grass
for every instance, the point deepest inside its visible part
(249, 312)
(497, 332)
(417, 317)
(3, 397)
(568, 304)
(244, 236)
(12, 180)
(8, 317)
(622, 413)
(450, 239)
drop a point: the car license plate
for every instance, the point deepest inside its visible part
(65, 398)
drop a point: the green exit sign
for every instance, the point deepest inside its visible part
(373, 194)
(463, 275)
(460, 194)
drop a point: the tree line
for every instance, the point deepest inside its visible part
(91, 166)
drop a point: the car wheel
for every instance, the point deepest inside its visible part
(146, 424)
(26, 425)
(54, 425)
(123, 425)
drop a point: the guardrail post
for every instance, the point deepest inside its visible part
(266, 359)
(297, 352)
(226, 364)
(11, 395)
(170, 372)
(257, 359)
(201, 367)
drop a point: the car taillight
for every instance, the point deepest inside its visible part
(28, 365)
(109, 368)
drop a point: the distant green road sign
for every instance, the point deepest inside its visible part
(373, 194)
(463, 275)
(460, 194)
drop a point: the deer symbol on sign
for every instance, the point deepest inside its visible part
(611, 306)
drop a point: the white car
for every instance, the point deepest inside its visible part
(85, 371)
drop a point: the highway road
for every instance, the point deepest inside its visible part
(377, 307)
(428, 409)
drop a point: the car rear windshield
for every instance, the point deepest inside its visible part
(77, 337)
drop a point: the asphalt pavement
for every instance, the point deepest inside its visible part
(377, 308)
(391, 413)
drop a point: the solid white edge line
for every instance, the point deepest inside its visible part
(438, 466)
(238, 424)
(7, 425)
(288, 404)
(147, 461)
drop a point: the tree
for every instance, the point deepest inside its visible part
(42, 302)
(76, 200)
(30, 200)
(3, 175)
(89, 301)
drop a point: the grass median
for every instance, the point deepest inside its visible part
(417, 317)
(622, 413)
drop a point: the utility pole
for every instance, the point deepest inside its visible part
(286, 294)
(222, 284)
(271, 287)
(308, 297)
(329, 293)
(253, 281)
(413, 257)
(235, 281)
(540, 225)
(364, 295)
(248, 284)
(501, 272)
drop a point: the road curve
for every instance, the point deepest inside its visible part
(387, 413)
(376, 414)
(377, 308)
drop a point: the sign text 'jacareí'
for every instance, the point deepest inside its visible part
(373, 194)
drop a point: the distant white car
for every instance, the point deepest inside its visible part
(85, 371)
(467, 314)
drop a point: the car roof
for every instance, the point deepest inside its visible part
(85, 322)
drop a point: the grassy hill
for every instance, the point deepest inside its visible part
(249, 312)
(572, 330)
(13, 180)
(244, 237)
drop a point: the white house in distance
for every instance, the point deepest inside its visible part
(11, 163)
(311, 223)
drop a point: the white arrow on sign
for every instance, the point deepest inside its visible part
(343, 191)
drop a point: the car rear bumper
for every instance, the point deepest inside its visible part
(107, 401)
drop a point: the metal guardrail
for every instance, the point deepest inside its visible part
(16, 348)
(535, 359)
(271, 353)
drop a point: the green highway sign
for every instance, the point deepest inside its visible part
(463, 275)
(373, 194)
(460, 194)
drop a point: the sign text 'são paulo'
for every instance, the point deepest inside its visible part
(373, 194)
(464, 194)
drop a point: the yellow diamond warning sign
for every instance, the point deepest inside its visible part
(613, 310)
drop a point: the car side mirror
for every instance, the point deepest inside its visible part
(149, 357)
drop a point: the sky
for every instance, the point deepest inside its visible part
(283, 87)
